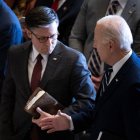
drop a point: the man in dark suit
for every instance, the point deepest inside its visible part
(64, 75)
(67, 12)
(10, 34)
(116, 115)
(117, 108)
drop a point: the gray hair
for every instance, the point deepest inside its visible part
(115, 27)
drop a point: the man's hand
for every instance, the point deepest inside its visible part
(42, 116)
(52, 123)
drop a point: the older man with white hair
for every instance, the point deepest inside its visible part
(118, 105)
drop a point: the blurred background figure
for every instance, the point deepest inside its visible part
(10, 34)
(18, 6)
(24, 29)
(66, 10)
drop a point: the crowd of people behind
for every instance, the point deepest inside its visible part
(88, 52)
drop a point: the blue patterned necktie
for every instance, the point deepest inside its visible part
(105, 80)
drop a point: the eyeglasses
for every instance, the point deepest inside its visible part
(44, 39)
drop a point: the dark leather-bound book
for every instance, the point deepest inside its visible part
(44, 100)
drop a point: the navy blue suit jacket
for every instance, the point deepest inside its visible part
(118, 110)
(10, 33)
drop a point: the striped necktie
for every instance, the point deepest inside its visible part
(105, 80)
(113, 7)
(94, 63)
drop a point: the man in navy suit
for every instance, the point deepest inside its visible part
(64, 75)
(116, 115)
(10, 34)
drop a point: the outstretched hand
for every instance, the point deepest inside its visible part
(52, 123)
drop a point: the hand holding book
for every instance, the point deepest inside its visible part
(44, 100)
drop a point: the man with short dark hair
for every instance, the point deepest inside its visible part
(64, 75)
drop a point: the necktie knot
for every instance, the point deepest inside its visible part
(108, 74)
(105, 80)
(113, 8)
(39, 57)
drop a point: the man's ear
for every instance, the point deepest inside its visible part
(28, 32)
(112, 45)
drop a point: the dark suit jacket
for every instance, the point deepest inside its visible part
(118, 110)
(82, 34)
(10, 34)
(66, 78)
(67, 14)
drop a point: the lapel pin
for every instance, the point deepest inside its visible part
(130, 11)
(65, 8)
(55, 58)
(116, 80)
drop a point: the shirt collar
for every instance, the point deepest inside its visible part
(119, 64)
(35, 53)
(122, 3)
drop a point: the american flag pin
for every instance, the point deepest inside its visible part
(55, 58)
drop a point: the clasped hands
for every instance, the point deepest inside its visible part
(52, 123)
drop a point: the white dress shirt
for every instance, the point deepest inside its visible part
(117, 66)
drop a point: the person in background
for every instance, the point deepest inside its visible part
(81, 37)
(11, 33)
(63, 74)
(116, 113)
(23, 25)
(66, 10)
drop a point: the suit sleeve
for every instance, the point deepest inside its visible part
(7, 107)
(131, 113)
(78, 32)
(9, 36)
(81, 110)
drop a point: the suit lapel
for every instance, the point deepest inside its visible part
(109, 91)
(117, 80)
(103, 9)
(129, 9)
(24, 67)
(52, 64)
